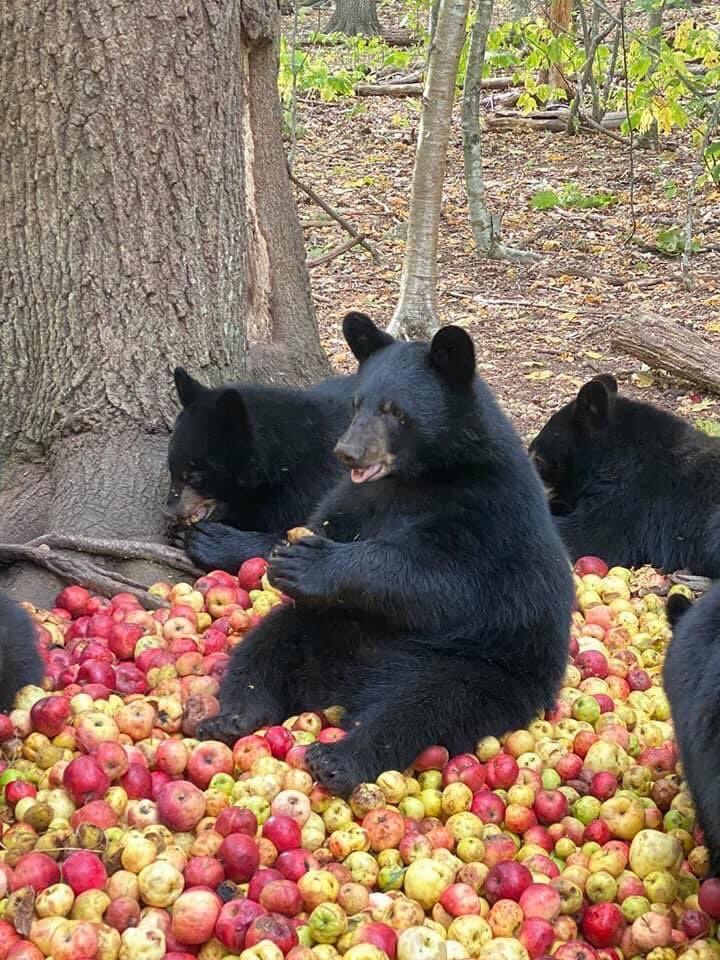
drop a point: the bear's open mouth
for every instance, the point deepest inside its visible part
(365, 474)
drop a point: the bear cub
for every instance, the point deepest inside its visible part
(257, 458)
(631, 483)
(691, 675)
(20, 662)
(433, 602)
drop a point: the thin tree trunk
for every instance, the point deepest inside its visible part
(650, 138)
(146, 221)
(485, 226)
(560, 23)
(354, 18)
(416, 314)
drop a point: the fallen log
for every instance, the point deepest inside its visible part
(554, 120)
(664, 345)
(416, 89)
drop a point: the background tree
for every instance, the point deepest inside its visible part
(147, 221)
(416, 315)
(354, 17)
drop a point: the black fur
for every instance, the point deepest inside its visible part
(691, 677)
(20, 662)
(631, 483)
(262, 454)
(434, 602)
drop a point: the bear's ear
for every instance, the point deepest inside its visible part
(232, 411)
(676, 607)
(592, 404)
(188, 389)
(362, 336)
(608, 380)
(452, 353)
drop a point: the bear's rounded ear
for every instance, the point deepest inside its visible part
(676, 607)
(608, 380)
(362, 336)
(452, 354)
(592, 404)
(232, 410)
(188, 389)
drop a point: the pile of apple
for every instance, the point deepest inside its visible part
(124, 838)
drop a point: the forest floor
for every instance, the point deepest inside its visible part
(540, 330)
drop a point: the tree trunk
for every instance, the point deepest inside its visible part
(560, 18)
(146, 221)
(354, 18)
(650, 139)
(485, 226)
(416, 314)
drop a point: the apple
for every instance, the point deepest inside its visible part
(592, 565)
(203, 872)
(537, 936)
(379, 935)
(603, 924)
(233, 921)
(502, 771)
(171, 757)
(17, 790)
(49, 715)
(550, 806)
(36, 870)
(273, 928)
(426, 880)
(181, 806)
(194, 915)
(507, 880)
(74, 599)
(251, 573)
(129, 679)
(240, 857)
(283, 832)
(236, 820)
(293, 864)
(84, 870)
(488, 806)
(540, 900)
(122, 912)
(85, 780)
(709, 897)
(74, 939)
(261, 878)
(281, 896)
(111, 758)
(460, 899)
(137, 781)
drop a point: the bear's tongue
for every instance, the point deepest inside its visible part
(366, 473)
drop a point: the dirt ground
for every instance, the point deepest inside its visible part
(540, 330)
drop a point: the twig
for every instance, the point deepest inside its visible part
(78, 571)
(630, 126)
(529, 304)
(338, 217)
(120, 550)
(696, 172)
(338, 251)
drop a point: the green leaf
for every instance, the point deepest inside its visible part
(545, 200)
(711, 427)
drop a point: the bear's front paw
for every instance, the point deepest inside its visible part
(226, 727)
(338, 768)
(306, 569)
(215, 546)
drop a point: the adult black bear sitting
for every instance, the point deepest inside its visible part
(631, 483)
(690, 676)
(20, 662)
(258, 458)
(434, 602)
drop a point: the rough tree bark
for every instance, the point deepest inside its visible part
(146, 220)
(560, 19)
(354, 18)
(416, 315)
(485, 225)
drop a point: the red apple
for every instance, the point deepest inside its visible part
(434, 758)
(171, 757)
(97, 812)
(236, 820)
(181, 806)
(194, 915)
(137, 782)
(603, 924)
(380, 935)
(203, 872)
(74, 599)
(36, 870)
(459, 899)
(19, 790)
(709, 897)
(550, 806)
(283, 832)
(488, 806)
(261, 878)
(592, 565)
(129, 679)
(603, 785)
(111, 758)
(84, 870)
(282, 896)
(501, 771)
(240, 856)
(280, 740)
(507, 880)
(208, 759)
(251, 573)
(85, 780)
(233, 921)
(50, 715)
(273, 927)
(294, 864)
(537, 936)
(122, 912)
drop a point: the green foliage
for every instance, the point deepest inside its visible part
(711, 427)
(672, 241)
(571, 197)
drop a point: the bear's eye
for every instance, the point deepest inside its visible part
(392, 410)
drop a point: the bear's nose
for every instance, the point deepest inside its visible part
(348, 452)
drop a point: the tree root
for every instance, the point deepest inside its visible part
(44, 552)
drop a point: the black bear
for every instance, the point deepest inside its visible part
(691, 675)
(631, 483)
(20, 662)
(257, 458)
(434, 601)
